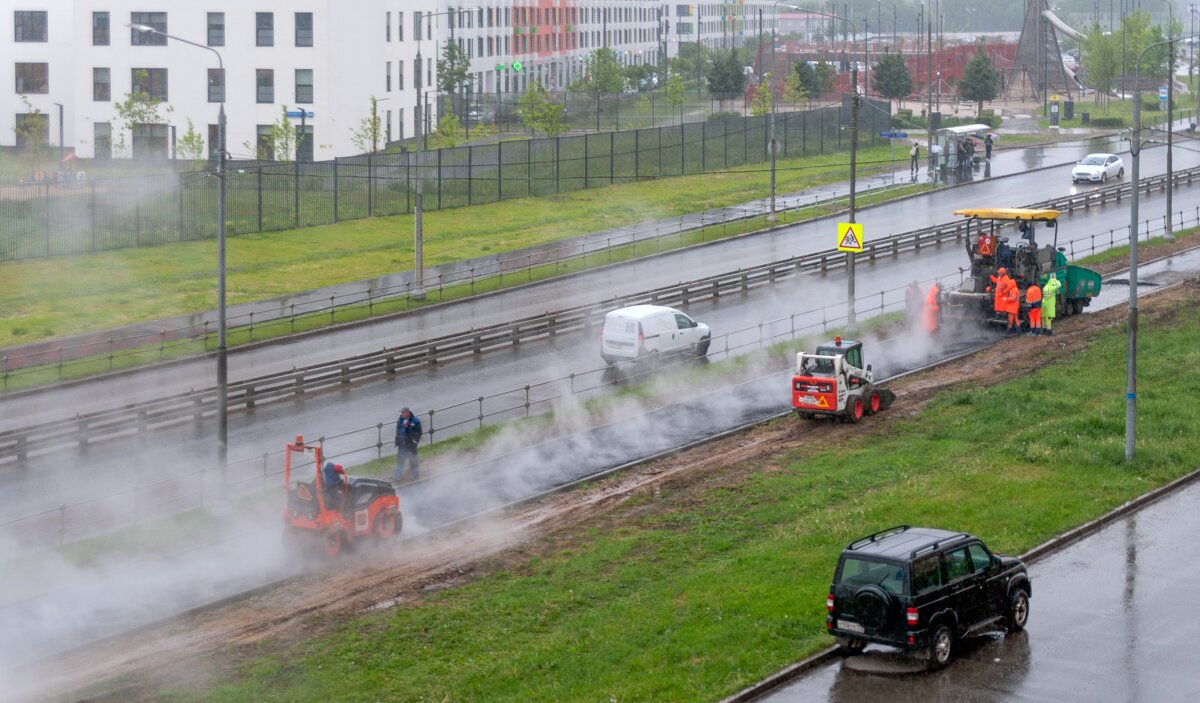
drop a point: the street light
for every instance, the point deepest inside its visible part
(1135, 149)
(850, 318)
(222, 353)
(771, 143)
(1169, 235)
(418, 291)
(61, 154)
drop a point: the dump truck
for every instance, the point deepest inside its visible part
(989, 250)
(833, 382)
(334, 510)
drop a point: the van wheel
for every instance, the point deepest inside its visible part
(941, 648)
(702, 348)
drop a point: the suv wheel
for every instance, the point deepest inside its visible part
(941, 648)
(1018, 610)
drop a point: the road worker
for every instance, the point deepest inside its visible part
(1033, 296)
(932, 316)
(1012, 306)
(1049, 304)
(998, 290)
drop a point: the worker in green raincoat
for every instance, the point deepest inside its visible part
(1049, 303)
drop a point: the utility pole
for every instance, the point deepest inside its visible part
(1168, 233)
(929, 91)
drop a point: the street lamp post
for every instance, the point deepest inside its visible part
(222, 350)
(1135, 150)
(1168, 233)
(61, 146)
(850, 316)
(772, 145)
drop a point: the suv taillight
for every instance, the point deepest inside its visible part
(829, 602)
(911, 617)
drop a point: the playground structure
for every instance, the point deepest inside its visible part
(1037, 69)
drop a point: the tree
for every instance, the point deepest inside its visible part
(761, 103)
(190, 146)
(637, 76)
(31, 134)
(449, 132)
(824, 74)
(807, 78)
(453, 69)
(794, 89)
(539, 113)
(369, 131)
(692, 62)
(602, 73)
(1101, 59)
(891, 78)
(725, 75)
(979, 81)
(278, 144)
(1140, 34)
(137, 108)
(675, 90)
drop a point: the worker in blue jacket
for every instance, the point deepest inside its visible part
(408, 440)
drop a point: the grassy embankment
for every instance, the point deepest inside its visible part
(103, 290)
(696, 593)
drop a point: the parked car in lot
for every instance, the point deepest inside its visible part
(922, 590)
(651, 333)
(1098, 168)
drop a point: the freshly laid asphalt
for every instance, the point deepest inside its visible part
(1112, 620)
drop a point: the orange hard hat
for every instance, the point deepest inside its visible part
(1003, 271)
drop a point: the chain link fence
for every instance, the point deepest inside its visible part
(44, 220)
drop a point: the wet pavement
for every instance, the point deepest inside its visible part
(1113, 618)
(348, 418)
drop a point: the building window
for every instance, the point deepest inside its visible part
(388, 131)
(151, 81)
(304, 29)
(263, 143)
(29, 25)
(154, 20)
(102, 139)
(216, 29)
(33, 78)
(264, 78)
(388, 71)
(387, 27)
(264, 23)
(216, 85)
(304, 143)
(150, 141)
(100, 35)
(400, 26)
(101, 85)
(399, 75)
(400, 124)
(304, 85)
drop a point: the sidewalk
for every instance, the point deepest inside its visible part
(1004, 162)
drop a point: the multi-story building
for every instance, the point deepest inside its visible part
(319, 57)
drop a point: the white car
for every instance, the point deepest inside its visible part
(649, 332)
(1098, 168)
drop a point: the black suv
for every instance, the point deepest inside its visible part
(921, 590)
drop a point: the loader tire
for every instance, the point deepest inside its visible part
(874, 402)
(854, 413)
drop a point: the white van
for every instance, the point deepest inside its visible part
(649, 332)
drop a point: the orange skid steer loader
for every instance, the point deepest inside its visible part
(332, 506)
(834, 383)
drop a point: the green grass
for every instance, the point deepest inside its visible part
(1122, 109)
(694, 595)
(99, 363)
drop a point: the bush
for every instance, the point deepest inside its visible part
(1106, 122)
(719, 116)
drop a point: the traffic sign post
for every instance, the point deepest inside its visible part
(891, 137)
(850, 237)
(1162, 93)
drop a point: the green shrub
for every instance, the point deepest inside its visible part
(1106, 122)
(719, 116)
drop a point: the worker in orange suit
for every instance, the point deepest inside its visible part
(1012, 306)
(997, 288)
(1033, 296)
(931, 317)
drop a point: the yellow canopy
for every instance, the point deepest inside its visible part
(1008, 213)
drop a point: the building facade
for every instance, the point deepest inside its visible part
(319, 58)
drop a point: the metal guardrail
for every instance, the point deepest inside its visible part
(137, 504)
(16, 444)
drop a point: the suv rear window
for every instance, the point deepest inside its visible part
(864, 572)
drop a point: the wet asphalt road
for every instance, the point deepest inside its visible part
(591, 286)
(143, 459)
(1113, 619)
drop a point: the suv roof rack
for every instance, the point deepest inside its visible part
(934, 546)
(878, 536)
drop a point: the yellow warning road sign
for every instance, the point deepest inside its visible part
(822, 403)
(850, 237)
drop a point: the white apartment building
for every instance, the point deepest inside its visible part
(324, 57)
(321, 57)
